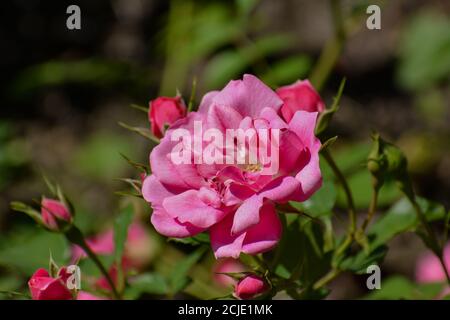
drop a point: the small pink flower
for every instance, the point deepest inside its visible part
(429, 269)
(53, 211)
(83, 295)
(300, 95)
(227, 265)
(249, 287)
(163, 112)
(44, 287)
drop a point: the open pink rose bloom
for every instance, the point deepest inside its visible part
(233, 201)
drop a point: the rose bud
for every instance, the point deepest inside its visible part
(44, 287)
(54, 212)
(249, 287)
(163, 112)
(300, 95)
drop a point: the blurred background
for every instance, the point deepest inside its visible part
(64, 91)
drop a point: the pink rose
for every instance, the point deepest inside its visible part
(227, 265)
(44, 287)
(234, 202)
(249, 287)
(138, 247)
(299, 96)
(53, 211)
(429, 269)
(163, 112)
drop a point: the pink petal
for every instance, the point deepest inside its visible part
(235, 193)
(275, 121)
(279, 190)
(207, 101)
(303, 124)
(222, 117)
(264, 235)
(154, 191)
(225, 244)
(248, 96)
(178, 176)
(170, 227)
(199, 208)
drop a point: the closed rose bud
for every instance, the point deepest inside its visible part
(44, 287)
(54, 212)
(163, 112)
(300, 95)
(249, 287)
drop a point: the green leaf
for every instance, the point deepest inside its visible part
(150, 283)
(305, 261)
(402, 218)
(424, 51)
(144, 132)
(321, 203)
(398, 287)
(326, 116)
(121, 225)
(178, 278)
(28, 249)
(359, 262)
(31, 212)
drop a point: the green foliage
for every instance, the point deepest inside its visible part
(100, 156)
(230, 64)
(178, 278)
(424, 51)
(400, 218)
(352, 160)
(321, 203)
(93, 71)
(306, 261)
(27, 250)
(397, 287)
(146, 283)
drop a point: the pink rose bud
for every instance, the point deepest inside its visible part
(300, 95)
(249, 287)
(163, 112)
(53, 211)
(44, 287)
